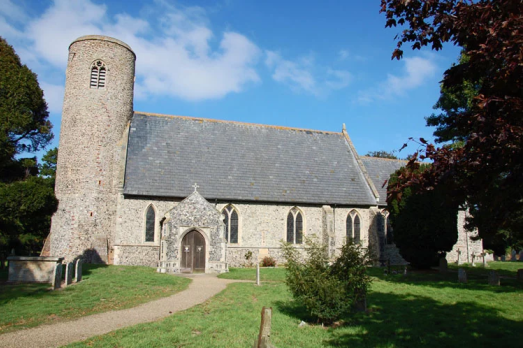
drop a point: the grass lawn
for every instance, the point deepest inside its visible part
(102, 288)
(423, 309)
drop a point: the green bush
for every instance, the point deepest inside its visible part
(268, 262)
(328, 290)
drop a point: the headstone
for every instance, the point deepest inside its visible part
(462, 276)
(443, 265)
(520, 275)
(521, 255)
(513, 255)
(57, 278)
(502, 257)
(78, 270)
(493, 278)
(361, 305)
(69, 274)
(258, 274)
(473, 258)
(405, 271)
(459, 258)
(485, 264)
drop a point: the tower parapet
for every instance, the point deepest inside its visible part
(98, 105)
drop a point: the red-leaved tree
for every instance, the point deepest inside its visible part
(487, 172)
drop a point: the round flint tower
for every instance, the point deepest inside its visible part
(98, 105)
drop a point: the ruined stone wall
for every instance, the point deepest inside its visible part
(465, 244)
(92, 131)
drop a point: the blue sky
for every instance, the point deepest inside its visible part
(304, 64)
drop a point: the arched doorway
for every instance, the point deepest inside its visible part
(193, 253)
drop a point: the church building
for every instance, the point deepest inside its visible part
(187, 194)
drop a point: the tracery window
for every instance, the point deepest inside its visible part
(295, 226)
(231, 224)
(98, 74)
(150, 218)
(353, 228)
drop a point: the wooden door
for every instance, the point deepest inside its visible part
(193, 253)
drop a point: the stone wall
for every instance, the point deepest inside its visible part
(465, 244)
(137, 255)
(94, 122)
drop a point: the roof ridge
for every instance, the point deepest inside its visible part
(237, 122)
(385, 159)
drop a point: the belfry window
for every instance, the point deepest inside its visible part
(150, 217)
(98, 74)
(295, 227)
(231, 224)
(353, 227)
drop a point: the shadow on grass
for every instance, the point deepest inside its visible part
(477, 280)
(411, 321)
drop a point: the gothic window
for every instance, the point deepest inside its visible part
(353, 227)
(231, 224)
(98, 74)
(295, 226)
(150, 217)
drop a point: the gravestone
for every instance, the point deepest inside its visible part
(462, 276)
(69, 274)
(520, 275)
(264, 337)
(473, 258)
(521, 255)
(459, 258)
(502, 257)
(443, 265)
(57, 278)
(361, 305)
(78, 270)
(513, 255)
(485, 264)
(493, 278)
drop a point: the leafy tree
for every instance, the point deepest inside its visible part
(424, 222)
(24, 124)
(27, 201)
(26, 207)
(381, 154)
(327, 291)
(48, 168)
(487, 171)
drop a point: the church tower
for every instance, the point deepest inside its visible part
(97, 109)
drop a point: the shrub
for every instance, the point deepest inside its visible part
(268, 262)
(327, 290)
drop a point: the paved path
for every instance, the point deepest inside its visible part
(201, 288)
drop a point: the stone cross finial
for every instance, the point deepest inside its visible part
(195, 187)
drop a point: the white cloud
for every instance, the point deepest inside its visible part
(415, 72)
(304, 76)
(175, 51)
(54, 96)
(344, 54)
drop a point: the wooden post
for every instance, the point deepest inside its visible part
(263, 340)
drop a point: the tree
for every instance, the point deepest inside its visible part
(487, 171)
(381, 154)
(424, 222)
(24, 124)
(48, 168)
(327, 290)
(27, 201)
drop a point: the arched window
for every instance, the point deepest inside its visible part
(150, 217)
(295, 226)
(98, 74)
(353, 227)
(231, 224)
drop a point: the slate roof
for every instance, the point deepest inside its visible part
(379, 170)
(166, 155)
